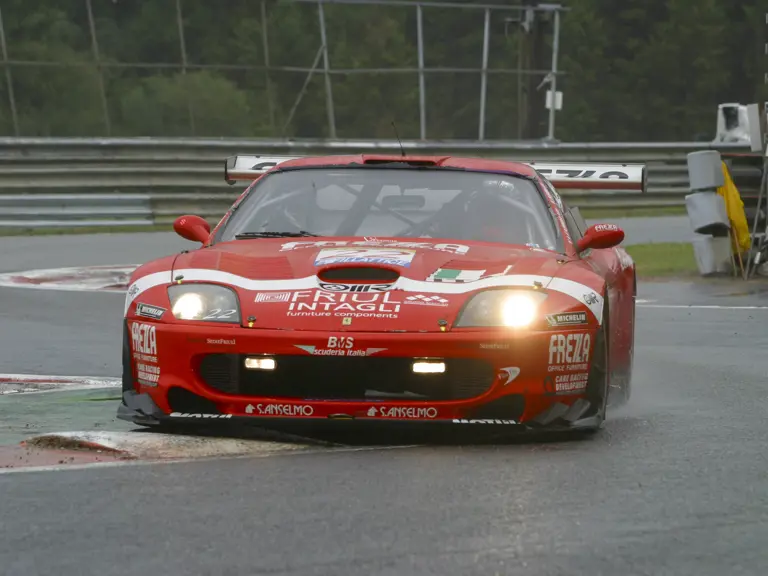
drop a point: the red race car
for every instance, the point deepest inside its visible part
(373, 288)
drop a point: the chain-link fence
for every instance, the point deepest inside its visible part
(303, 68)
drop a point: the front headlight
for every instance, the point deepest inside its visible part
(205, 302)
(508, 308)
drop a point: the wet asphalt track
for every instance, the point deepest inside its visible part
(676, 484)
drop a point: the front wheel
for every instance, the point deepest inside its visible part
(598, 381)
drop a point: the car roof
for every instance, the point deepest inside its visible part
(479, 164)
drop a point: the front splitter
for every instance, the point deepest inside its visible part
(141, 409)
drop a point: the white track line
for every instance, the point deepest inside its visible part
(702, 307)
(75, 279)
(63, 288)
(17, 383)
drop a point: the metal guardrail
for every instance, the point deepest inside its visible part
(63, 182)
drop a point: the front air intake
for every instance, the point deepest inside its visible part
(399, 163)
(361, 274)
(356, 379)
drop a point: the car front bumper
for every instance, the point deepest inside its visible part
(524, 378)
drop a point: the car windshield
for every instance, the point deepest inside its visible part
(397, 202)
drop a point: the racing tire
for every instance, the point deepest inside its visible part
(621, 381)
(626, 384)
(598, 383)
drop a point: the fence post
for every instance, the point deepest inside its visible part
(484, 74)
(97, 58)
(8, 78)
(422, 88)
(327, 66)
(265, 45)
(183, 48)
(553, 84)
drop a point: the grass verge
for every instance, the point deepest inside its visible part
(84, 230)
(608, 213)
(664, 259)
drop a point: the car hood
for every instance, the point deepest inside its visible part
(307, 284)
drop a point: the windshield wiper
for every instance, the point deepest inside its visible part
(298, 234)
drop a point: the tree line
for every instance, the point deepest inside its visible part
(635, 70)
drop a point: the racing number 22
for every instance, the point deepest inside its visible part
(218, 314)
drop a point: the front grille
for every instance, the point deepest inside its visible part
(220, 371)
(182, 400)
(337, 378)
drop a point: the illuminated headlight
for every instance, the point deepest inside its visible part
(189, 306)
(204, 302)
(510, 308)
(518, 310)
(428, 367)
(260, 363)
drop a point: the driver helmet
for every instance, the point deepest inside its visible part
(487, 215)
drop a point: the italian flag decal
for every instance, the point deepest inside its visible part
(448, 275)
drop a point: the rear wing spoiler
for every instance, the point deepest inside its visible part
(588, 176)
(251, 167)
(562, 175)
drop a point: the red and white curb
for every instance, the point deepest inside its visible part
(112, 278)
(153, 446)
(83, 450)
(77, 450)
(30, 383)
(24, 458)
(68, 450)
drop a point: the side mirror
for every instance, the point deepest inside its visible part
(601, 236)
(193, 228)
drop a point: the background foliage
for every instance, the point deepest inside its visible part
(652, 70)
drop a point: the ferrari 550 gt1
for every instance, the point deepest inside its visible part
(387, 288)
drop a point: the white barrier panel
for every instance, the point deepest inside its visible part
(566, 175)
